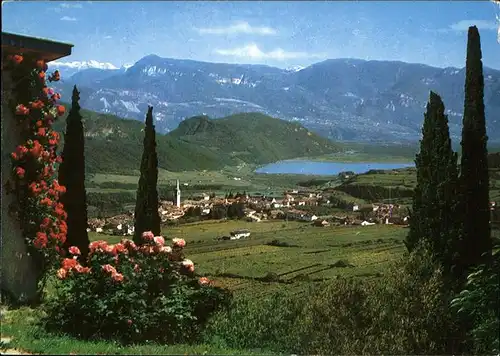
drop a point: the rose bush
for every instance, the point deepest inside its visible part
(132, 293)
(34, 161)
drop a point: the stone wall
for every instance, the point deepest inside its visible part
(18, 272)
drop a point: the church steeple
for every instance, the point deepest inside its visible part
(178, 195)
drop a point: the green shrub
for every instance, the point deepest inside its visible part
(264, 324)
(405, 311)
(479, 302)
(132, 294)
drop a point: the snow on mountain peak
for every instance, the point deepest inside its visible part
(294, 68)
(84, 64)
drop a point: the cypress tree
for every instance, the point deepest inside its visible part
(72, 176)
(474, 176)
(147, 217)
(435, 206)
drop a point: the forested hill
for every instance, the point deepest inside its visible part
(113, 144)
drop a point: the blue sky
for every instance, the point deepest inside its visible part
(280, 34)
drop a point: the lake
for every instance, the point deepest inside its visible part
(325, 168)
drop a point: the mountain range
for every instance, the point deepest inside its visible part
(342, 99)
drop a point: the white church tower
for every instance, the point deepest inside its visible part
(178, 195)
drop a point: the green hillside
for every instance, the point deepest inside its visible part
(114, 145)
(253, 137)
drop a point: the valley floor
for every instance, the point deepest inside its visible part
(282, 255)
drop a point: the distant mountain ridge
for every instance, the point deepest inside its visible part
(343, 99)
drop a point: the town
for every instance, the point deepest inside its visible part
(255, 208)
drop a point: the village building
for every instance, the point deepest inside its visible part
(321, 223)
(239, 234)
(19, 272)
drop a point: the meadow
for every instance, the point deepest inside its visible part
(284, 255)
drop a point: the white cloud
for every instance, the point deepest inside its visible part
(463, 26)
(67, 18)
(253, 51)
(107, 37)
(238, 27)
(75, 5)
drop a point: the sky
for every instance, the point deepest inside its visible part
(281, 34)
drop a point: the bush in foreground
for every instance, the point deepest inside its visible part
(132, 294)
(479, 302)
(403, 312)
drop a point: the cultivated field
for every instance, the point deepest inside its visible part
(285, 255)
(218, 182)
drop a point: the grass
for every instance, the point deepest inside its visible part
(241, 264)
(20, 325)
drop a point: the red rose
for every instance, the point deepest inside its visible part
(69, 263)
(60, 110)
(22, 110)
(38, 104)
(74, 250)
(17, 59)
(41, 131)
(20, 172)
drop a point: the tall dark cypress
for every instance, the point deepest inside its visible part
(72, 176)
(435, 205)
(474, 176)
(147, 217)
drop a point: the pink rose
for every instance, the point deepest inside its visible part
(117, 277)
(159, 241)
(62, 273)
(204, 281)
(166, 249)
(74, 250)
(148, 235)
(109, 269)
(189, 265)
(178, 242)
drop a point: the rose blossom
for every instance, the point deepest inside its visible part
(159, 241)
(109, 269)
(62, 273)
(178, 242)
(74, 250)
(204, 281)
(129, 244)
(148, 235)
(111, 249)
(97, 245)
(117, 277)
(166, 249)
(69, 263)
(189, 265)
